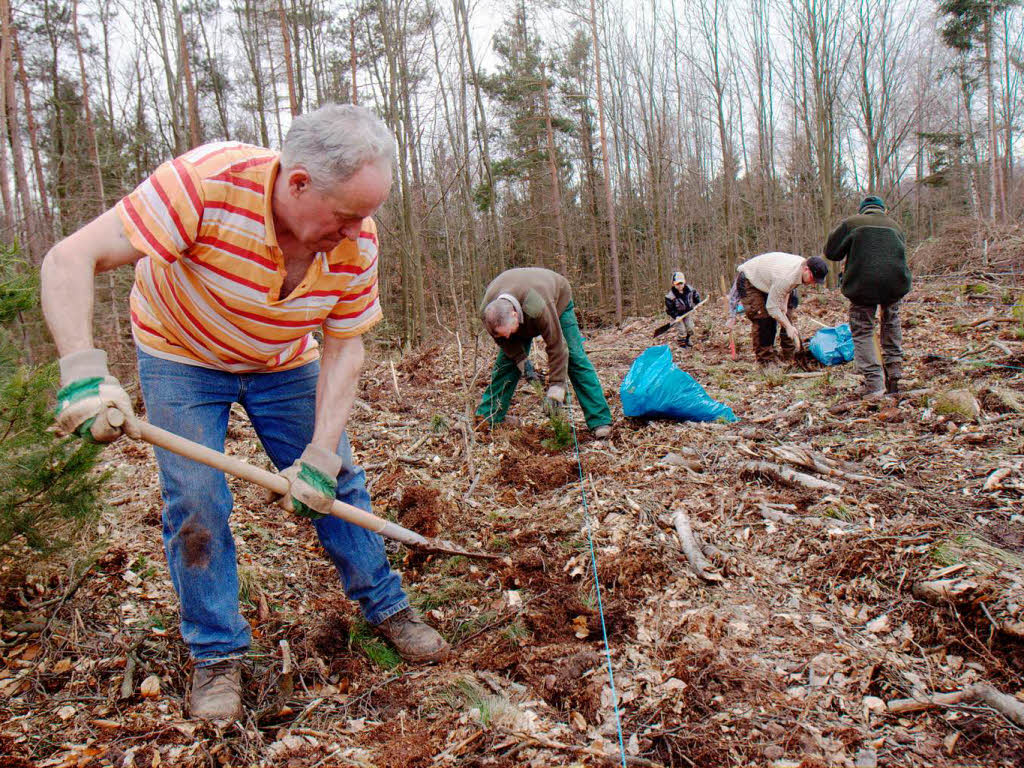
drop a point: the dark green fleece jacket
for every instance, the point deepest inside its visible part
(876, 269)
(543, 296)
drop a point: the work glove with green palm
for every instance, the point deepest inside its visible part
(313, 483)
(531, 374)
(87, 389)
(554, 400)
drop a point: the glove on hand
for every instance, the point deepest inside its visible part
(314, 481)
(556, 392)
(795, 337)
(553, 402)
(532, 377)
(87, 388)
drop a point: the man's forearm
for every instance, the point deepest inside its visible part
(67, 299)
(69, 273)
(775, 307)
(336, 390)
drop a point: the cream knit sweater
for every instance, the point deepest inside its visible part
(777, 274)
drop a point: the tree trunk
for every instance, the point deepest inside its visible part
(609, 201)
(293, 102)
(195, 128)
(33, 132)
(352, 59)
(33, 241)
(171, 78)
(993, 148)
(217, 84)
(90, 128)
(556, 198)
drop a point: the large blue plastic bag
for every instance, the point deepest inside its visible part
(655, 389)
(832, 346)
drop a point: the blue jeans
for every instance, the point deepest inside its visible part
(194, 402)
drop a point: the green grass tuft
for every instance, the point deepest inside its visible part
(450, 590)
(362, 639)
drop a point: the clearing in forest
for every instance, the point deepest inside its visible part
(899, 578)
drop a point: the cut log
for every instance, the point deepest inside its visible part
(691, 548)
(788, 476)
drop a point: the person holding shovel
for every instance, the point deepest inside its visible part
(518, 306)
(240, 253)
(767, 286)
(875, 280)
(680, 301)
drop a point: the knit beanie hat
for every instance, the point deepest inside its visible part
(678, 277)
(871, 204)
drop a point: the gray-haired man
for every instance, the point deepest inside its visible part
(519, 305)
(240, 254)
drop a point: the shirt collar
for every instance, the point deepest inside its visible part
(515, 303)
(268, 202)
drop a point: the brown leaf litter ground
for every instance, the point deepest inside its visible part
(790, 660)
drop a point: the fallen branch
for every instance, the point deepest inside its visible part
(788, 476)
(939, 591)
(775, 515)
(691, 548)
(808, 460)
(995, 480)
(1006, 705)
(799, 405)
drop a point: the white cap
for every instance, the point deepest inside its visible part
(678, 277)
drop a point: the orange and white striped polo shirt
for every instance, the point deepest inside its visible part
(207, 292)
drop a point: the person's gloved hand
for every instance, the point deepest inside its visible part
(531, 374)
(314, 481)
(794, 336)
(87, 388)
(554, 400)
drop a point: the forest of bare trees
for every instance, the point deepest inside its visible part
(613, 141)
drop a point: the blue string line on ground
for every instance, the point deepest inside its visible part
(597, 585)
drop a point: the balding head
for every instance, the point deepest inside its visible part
(501, 319)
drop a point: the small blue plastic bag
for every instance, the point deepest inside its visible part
(654, 388)
(832, 346)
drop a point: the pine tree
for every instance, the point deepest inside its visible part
(47, 486)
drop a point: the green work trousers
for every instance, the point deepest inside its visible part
(498, 395)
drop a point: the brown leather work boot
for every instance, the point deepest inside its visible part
(414, 640)
(217, 691)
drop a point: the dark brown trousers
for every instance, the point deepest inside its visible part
(763, 327)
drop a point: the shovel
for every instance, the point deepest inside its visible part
(662, 328)
(142, 430)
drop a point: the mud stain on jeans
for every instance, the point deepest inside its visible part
(195, 543)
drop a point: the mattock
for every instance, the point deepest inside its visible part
(114, 419)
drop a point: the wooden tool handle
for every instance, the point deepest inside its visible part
(229, 464)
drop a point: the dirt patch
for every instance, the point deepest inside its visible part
(632, 572)
(405, 743)
(420, 508)
(529, 440)
(541, 473)
(564, 681)
(195, 541)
